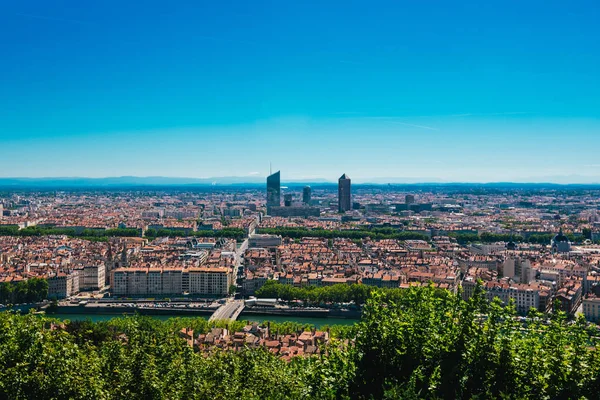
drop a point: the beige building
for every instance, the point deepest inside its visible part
(518, 269)
(591, 308)
(130, 282)
(63, 285)
(210, 281)
(93, 277)
(565, 271)
(171, 281)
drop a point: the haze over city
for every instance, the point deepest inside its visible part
(402, 91)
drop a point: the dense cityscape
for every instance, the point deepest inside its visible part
(534, 246)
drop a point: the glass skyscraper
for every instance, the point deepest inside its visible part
(273, 190)
(344, 196)
(306, 195)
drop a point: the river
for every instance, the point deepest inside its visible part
(317, 322)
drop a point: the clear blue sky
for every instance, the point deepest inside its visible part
(453, 90)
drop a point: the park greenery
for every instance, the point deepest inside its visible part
(415, 343)
(312, 295)
(26, 291)
(489, 237)
(392, 233)
(373, 233)
(105, 234)
(294, 233)
(231, 233)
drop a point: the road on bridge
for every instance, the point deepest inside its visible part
(229, 311)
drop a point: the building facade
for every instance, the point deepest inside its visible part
(210, 281)
(63, 285)
(273, 190)
(306, 195)
(344, 195)
(295, 211)
(258, 240)
(591, 308)
(93, 277)
(172, 281)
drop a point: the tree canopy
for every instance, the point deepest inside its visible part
(27, 291)
(374, 233)
(419, 342)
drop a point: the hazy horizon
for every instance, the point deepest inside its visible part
(256, 179)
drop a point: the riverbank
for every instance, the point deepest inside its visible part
(254, 312)
(121, 310)
(316, 321)
(301, 312)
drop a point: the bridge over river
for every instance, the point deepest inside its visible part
(229, 311)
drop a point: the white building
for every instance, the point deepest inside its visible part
(487, 249)
(93, 277)
(63, 285)
(258, 240)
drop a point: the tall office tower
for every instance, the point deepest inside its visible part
(409, 199)
(344, 196)
(306, 195)
(287, 200)
(273, 191)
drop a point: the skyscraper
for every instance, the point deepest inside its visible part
(273, 190)
(306, 195)
(287, 200)
(344, 196)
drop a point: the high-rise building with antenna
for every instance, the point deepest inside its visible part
(273, 191)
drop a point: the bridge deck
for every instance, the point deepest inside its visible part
(229, 311)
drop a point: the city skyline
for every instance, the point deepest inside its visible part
(502, 91)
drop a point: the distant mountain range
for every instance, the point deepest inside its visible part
(127, 181)
(139, 181)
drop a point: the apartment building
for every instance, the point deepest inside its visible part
(93, 277)
(130, 282)
(63, 285)
(259, 240)
(210, 281)
(591, 308)
(172, 281)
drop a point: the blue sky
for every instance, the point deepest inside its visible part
(457, 91)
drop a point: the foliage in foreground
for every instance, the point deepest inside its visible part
(141, 358)
(431, 344)
(418, 343)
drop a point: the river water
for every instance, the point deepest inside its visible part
(317, 322)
